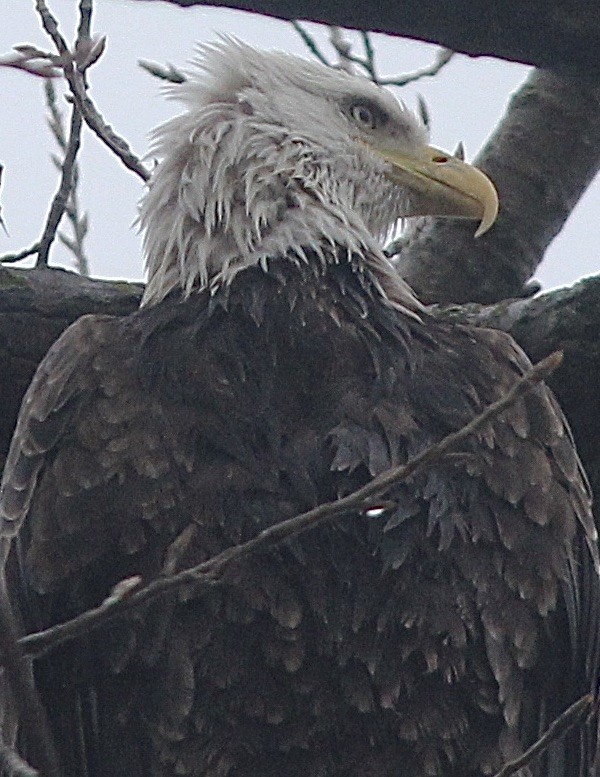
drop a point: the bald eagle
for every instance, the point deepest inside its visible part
(278, 362)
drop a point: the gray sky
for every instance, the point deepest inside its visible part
(466, 101)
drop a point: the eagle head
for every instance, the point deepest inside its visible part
(276, 156)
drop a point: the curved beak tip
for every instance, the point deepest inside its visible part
(442, 185)
(490, 210)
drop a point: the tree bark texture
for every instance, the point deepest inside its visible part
(563, 35)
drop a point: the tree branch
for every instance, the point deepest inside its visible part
(20, 678)
(12, 258)
(78, 221)
(93, 118)
(61, 198)
(555, 34)
(558, 728)
(365, 61)
(73, 66)
(127, 596)
(76, 80)
(65, 190)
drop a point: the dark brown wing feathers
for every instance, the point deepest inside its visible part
(439, 636)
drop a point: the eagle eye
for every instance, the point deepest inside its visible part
(366, 114)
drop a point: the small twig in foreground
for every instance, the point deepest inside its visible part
(210, 571)
(558, 728)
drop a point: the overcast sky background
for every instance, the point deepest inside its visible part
(465, 100)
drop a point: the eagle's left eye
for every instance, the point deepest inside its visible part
(367, 115)
(363, 115)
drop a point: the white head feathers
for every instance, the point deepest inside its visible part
(267, 161)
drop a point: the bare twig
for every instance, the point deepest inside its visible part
(210, 571)
(23, 692)
(310, 43)
(95, 121)
(368, 47)
(35, 66)
(166, 72)
(369, 50)
(366, 61)
(61, 198)
(83, 58)
(12, 258)
(74, 65)
(558, 728)
(79, 222)
(50, 25)
(71, 146)
(85, 19)
(442, 58)
(343, 49)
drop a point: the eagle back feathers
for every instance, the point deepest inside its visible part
(422, 640)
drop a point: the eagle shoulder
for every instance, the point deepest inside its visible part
(86, 425)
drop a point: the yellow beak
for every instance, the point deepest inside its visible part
(443, 185)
